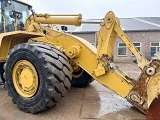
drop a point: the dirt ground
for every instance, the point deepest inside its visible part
(93, 102)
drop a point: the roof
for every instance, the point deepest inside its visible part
(87, 28)
(127, 24)
(140, 24)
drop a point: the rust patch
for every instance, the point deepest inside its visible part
(154, 110)
(140, 89)
(141, 86)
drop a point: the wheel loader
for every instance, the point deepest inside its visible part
(40, 63)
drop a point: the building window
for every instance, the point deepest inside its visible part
(138, 46)
(122, 50)
(155, 47)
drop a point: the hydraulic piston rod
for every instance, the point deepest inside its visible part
(58, 19)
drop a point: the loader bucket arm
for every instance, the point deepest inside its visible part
(145, 93)
(140, 92)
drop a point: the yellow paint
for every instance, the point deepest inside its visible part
(58, 19)
(95, 61)
(73, 51)
(9, 39)
(106, 36)
(99, 70)
(92, 60)
(116, 82)
(25, 78)
(32, 22)
(153, 88)
(89, 58)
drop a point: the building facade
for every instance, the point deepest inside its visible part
(148, 43)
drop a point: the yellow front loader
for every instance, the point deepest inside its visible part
(41, 63)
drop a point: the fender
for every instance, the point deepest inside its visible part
(10, 39)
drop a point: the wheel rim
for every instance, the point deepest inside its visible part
(25, 78)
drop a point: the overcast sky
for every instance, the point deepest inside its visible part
(98, 8)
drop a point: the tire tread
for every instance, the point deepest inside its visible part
(57, 78)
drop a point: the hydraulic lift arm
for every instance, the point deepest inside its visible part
(140, 92)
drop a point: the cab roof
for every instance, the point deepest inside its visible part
(21, 1)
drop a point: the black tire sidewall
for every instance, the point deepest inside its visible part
(83, 81)
(2, 71)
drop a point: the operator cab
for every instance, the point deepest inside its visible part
(13, 15)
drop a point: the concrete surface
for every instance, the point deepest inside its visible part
(93, 102)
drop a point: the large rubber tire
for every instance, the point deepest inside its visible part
(83, 79)
(2, 71)
(53, 75)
